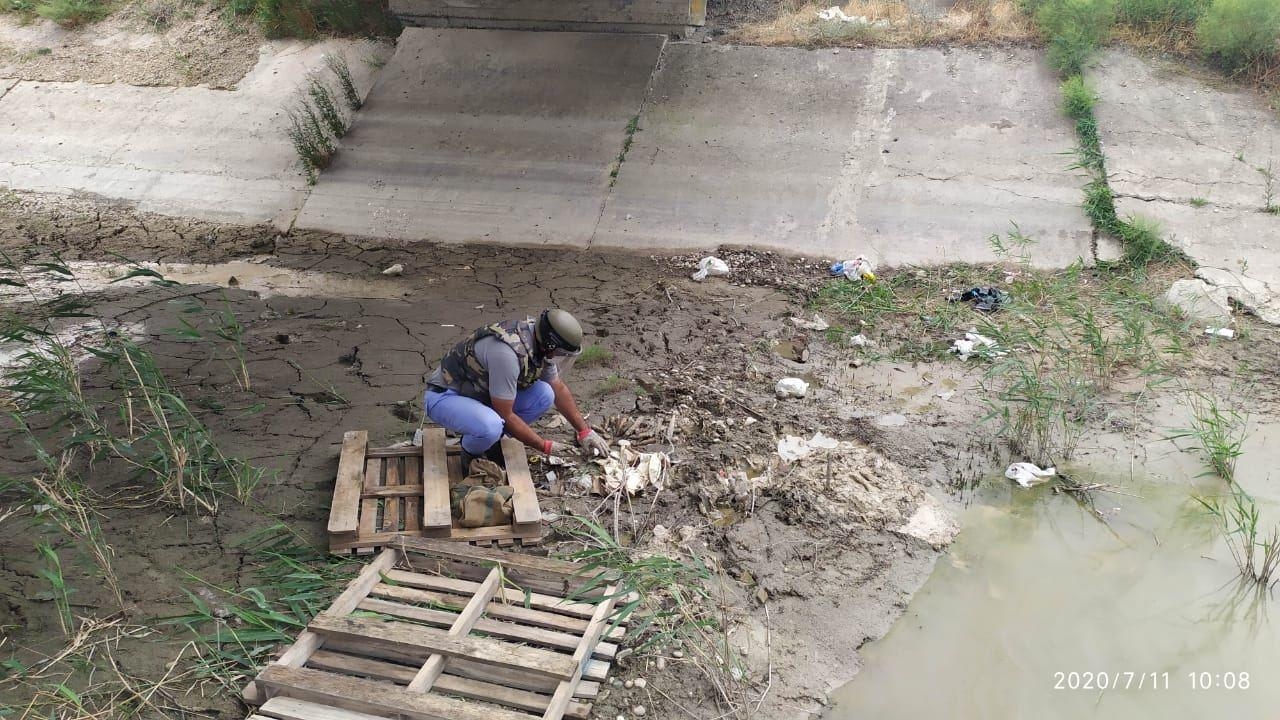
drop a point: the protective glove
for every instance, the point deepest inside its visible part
(550, 447)
(592, 444)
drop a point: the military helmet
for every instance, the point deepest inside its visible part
(558, 330)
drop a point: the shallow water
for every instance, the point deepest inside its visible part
(1036, 586)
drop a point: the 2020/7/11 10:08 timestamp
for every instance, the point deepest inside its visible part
(1132, 680)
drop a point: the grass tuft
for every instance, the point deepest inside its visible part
(338, 66)
(1217, 432)
(72, 13)
(593, 355)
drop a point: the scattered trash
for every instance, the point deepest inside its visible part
(792, 448)
(861, 340)
(859, 268)
(1026, 474)
(791, 387)
(634, 471)
(1220, 332)
(836, 13)
(394, 271)
(417, 437)
(984, 299)
(972, 342)
(817, 324)
(710, 266)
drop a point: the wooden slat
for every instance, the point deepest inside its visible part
(287, 708)
(391, 506)
(541, 601)
(530, 563)
(451, 684)
(369, 505)
(397, 491)
(346, 492)
(412, 503)
(376, 697)
(461, 627)
(524, 499)
(597, 670)
(436, 515)
(498, 609)
(531, 531)
(564, 694)
(402, 635)
(389, 452)
(559, 587)
(308, 642)
(491, 628)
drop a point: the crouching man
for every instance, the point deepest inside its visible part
(503, 378)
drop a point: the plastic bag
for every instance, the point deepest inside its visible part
(710, 266)
(791, 387)
(1027, 474)
(859, 268)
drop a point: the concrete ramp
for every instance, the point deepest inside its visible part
(908, 156)
(487, 135)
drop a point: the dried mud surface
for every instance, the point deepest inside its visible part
(160, 43)
(699, 351)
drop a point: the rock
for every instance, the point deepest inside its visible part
(641, 683)
(791, 387)
(1252, 294)
(761, 595)
(394, 271)
(629, 684)
(662, 663)
(677, 654)
(639, 711)
(1199, 300)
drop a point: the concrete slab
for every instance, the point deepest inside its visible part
(908, 156)
(209, 154)
(6, 84)
(487, 135)
(1194, 152)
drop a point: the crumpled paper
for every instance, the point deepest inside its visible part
(634, 471)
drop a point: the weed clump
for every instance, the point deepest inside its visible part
(1078, 98)
(338, 66)
(72, 13)
(310, 18)
(1075, 29)
(594, 355)
(1240, 33)
(1143, 240)
(1159, 14)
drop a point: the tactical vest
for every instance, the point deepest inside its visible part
(460, 366)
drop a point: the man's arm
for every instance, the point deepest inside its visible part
(567, 405)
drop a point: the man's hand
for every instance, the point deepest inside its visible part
(592, 444)
(551, 447)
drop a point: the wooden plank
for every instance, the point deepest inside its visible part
(551, 603)
(524, 499)
(390, 452)
(498, 609)
(564, 694)
(531, 531)
(492, 628)
(463, 687)
(402, 635)
(436, 515)
(346, 491)
(597, 670)
(369, 505)
(372, 696)
(461, 627)
(397, 491)
(529, 563)
(287, 708)
(391, 506)
(412, 512)
(308, 642)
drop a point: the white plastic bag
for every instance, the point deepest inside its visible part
(1027, 474)
(791, 387)
(1221, 332)
(792, 448)
(972, 341)
(710, 266)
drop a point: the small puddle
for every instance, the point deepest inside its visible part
(1036, 588)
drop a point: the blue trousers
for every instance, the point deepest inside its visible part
(478, 424)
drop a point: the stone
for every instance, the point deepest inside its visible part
(1199, 300)
(1252, 294)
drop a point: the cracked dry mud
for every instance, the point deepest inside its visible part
(699, 350)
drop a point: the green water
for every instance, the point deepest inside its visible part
(1035, 586)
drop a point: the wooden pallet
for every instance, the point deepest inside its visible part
(436, 630)
(384, 493)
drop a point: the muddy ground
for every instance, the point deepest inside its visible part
(812, 567)
(704, 352)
